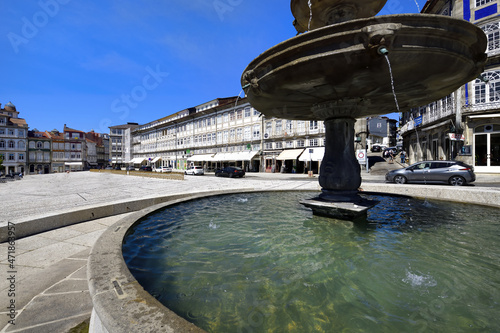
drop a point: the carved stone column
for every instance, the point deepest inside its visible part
(340, 175)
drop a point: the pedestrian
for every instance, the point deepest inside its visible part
(403, 156)
(391, 156)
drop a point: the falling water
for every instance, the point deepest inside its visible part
(418, 7)
(310, 14)
(237, 98)
(392, 81)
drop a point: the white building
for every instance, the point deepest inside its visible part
(13, 140)
(466, 124)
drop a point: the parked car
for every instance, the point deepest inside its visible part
(230, 172)
(448, 172)
(163, 169)
(376, 149)
(145, 168)
(194, 170)
(130, 168)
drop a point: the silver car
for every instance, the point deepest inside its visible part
(449, 172)
(194, 170)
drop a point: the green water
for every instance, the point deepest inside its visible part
(264, 263)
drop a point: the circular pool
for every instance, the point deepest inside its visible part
(262, 262)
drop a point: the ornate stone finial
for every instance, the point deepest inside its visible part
(314, 14)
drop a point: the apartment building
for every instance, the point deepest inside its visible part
(39, 152)
(13, 140)
(466, 124)
(120, 144)
(229, 131)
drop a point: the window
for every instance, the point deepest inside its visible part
(279, 145)
(239, 133)
(232, 135)
(20, 133)
(313, 125)
(487, 93)
(21, 145)
(2, 144)
(278, 127)
(2, 121)
(482, 2)
(256, 132)
(239, 114)
(289, 127)
(209, 122)
(248, 112)
(12, 157)
(313, 142)
(225, 138)
(289, 144)
(248, 133)
(39, 145)
(231, 116)
(46, 145)
(256, 113)
(11, 144)
(10, 132)
(492, 31)
(226, 117)
(301, 143)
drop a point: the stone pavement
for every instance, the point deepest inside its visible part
(49, 284)
(47, 281)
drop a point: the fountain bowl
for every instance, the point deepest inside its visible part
(343, 67)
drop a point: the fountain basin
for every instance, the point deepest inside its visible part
(341, 66)
(120, 302)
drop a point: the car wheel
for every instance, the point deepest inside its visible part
(400, 180)
(185, 172)
(457, 181)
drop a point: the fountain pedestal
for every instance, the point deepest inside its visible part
(340, 173)
(337, 73)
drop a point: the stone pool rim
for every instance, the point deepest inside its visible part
(122, 305)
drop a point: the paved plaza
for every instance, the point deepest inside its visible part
(47, 278)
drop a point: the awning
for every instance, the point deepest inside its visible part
(74, 163)
(155, 159)
(137, 160)
(316, 155)
(201, 158)
(246, 155)
(290, 154)
(233, 157)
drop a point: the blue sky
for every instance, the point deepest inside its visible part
(96, 63)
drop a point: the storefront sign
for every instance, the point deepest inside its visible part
(456, 137)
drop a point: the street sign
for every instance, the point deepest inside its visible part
(361, 156)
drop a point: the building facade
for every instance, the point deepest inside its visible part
(466, 124)
(381, 131)
(120, 144)
(13, 140)
(229, 131)
(39, 153)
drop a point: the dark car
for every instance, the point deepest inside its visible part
(448, 172)
(230, 172)
(145, 168)
(376, 149)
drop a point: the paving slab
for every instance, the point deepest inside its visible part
(51, 265)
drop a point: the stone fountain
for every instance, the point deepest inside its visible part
(345, 65)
